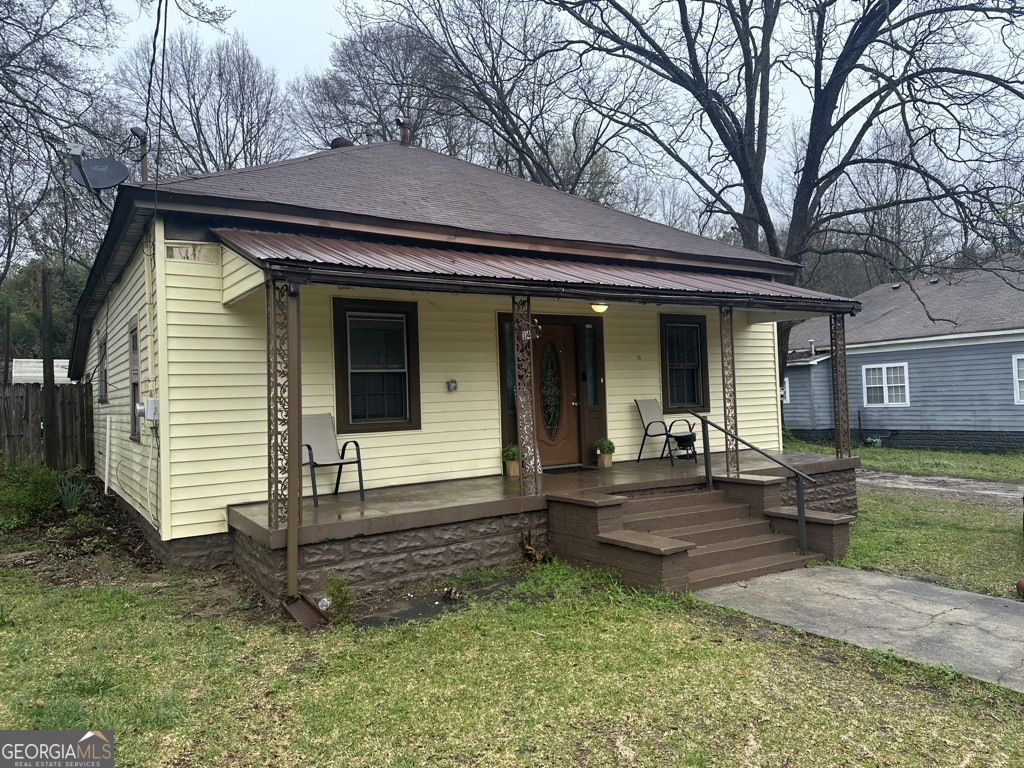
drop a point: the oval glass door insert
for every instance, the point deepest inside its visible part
(551, 390)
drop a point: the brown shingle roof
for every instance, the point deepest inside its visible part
(409, 184)
(973, 302)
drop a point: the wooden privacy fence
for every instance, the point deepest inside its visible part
(21, 419)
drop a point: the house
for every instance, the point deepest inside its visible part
(438, 311)
(935, 363)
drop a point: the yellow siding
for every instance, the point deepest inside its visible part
(134, 464)
(757, 383)
(633, 371)
(239, 278)
(215, 412)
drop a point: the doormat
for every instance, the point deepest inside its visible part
(568, 469)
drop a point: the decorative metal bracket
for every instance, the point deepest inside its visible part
(732, 447)
(277, 402)
(529, 455)
(840, 393)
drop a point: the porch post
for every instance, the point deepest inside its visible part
(732, 447)
(277, 403)
(294, 437)
(529, 456)
(284, 418)
(840, 393)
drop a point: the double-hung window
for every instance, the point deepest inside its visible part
(101, 370)
(134, 382)
(886, 385)
(376, 361)
(784, 391)
(684, 363)
(1018, 379)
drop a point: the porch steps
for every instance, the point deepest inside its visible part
(731, 545)
(751, 569)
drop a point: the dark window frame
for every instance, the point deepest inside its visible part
(703, 387)
(409, 310)
(102, 390)
(134, 379)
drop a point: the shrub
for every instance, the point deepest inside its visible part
(28, 493)
(510, 452)
(74, 491)
(604, 445)
(341, 601)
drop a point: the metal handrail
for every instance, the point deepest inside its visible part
(801, 518)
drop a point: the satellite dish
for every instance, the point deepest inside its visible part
(102, 172)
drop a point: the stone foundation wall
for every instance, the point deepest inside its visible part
(388, 560)
(833, 492)
(194, 552)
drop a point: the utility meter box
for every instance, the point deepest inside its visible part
(152, 409)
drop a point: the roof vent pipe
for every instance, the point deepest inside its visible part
(406, 130)
(341, 141)
(814, 351)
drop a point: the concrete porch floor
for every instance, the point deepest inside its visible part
(398, 508)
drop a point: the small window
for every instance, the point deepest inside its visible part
(133, 369)
(376, 365)
(784, 391)
(886, 385)
(684, 363)
(1018, 379)
(101, 370)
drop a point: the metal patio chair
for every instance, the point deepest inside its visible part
(320, 449)
(655, 426)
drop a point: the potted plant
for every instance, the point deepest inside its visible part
(510, 455)
(605, 449)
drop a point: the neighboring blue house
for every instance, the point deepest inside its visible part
(952, 380)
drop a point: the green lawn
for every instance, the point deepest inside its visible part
(597, 676)
(1006, 467)
(964, 546)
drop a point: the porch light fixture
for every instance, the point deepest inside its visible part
(599, 307)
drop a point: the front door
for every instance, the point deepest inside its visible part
(568, 381)
(555, 379)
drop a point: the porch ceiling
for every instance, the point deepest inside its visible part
(365, 263)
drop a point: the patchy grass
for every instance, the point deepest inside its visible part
(1005, 467)
(570, 668)
(964, 546)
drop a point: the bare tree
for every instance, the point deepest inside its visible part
(48, 97)
(496, 63)
(948, 77)
(220, 106)
(378, 72)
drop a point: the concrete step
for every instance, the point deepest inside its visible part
(739, 551)
(685, 517)
(721, 530)
(674, 500)
(750, 569)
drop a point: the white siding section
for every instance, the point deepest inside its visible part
(239, 277)
(134, 465)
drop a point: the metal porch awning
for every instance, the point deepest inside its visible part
(373, 263)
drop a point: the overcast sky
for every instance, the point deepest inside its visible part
(289, 36)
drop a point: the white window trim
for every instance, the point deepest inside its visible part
(1018, 369)
(785, 390)
(885, 386)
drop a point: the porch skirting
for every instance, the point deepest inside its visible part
(396, 558)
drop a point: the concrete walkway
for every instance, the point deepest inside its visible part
(979, 635)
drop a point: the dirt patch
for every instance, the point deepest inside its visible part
(1008, 496)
